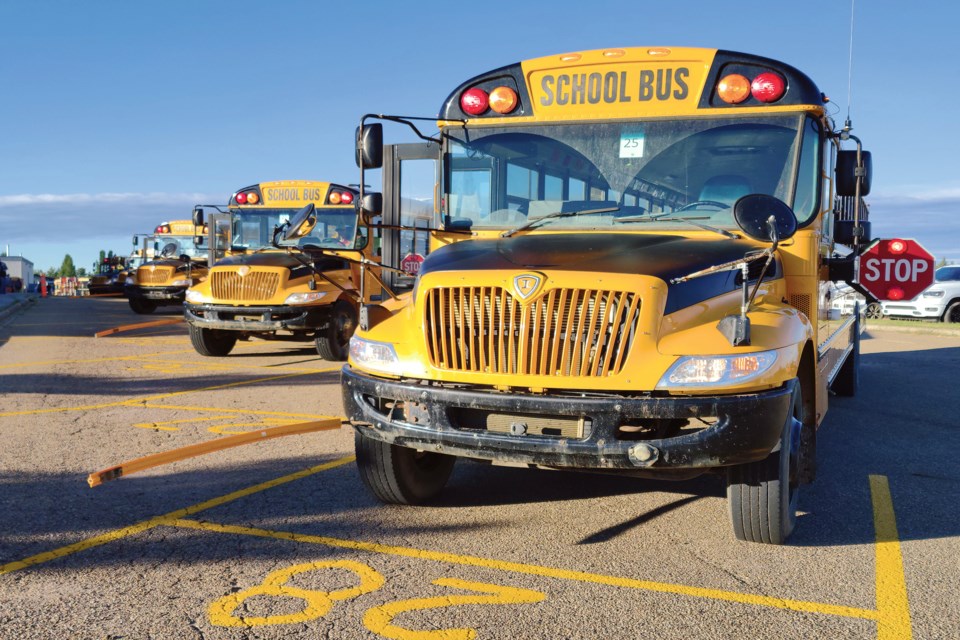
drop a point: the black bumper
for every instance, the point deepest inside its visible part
(102, 289)
(747, 427)
(256, 318)
(157, 295)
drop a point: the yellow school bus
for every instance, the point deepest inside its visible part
(109, 277)
(179, 261)
(302, 289)
(628, 264)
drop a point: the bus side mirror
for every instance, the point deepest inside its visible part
(765, 218)
(847, 173)
(134, 240)
(197, 241)
(372, 205)
(370, 146)
(198, 217)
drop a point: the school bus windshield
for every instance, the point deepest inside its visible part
(180, 245)
(508, 176)
(253, 228)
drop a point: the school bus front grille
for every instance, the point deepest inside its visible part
(158, 275)
(564, 332)
(256, 285)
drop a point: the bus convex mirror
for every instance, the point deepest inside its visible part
(198, 217)
(370, 146)
(847, 173)
(765, 218)
(301, 223)
(372, 205)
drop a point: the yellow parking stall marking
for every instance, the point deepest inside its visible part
(539, 570)
(143, 401)
(165, 425)
(256, 412)
(168, 518)
(893, 605)
(141, 356)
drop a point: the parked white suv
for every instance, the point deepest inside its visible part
(939, 301)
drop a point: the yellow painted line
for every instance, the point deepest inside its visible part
(539, 570)
(893, 607)
(226, 386)
(143, 401)
(163, 426)
(256, 412)
(168, 518)
(147, 356)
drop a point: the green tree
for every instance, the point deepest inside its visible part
(81, 272)
(942, 263)
(52, 272)
(67, 269)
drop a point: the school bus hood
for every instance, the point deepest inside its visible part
(660, 256)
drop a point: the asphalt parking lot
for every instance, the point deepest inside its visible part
(280, 538)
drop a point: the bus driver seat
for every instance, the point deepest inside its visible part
(726, 189)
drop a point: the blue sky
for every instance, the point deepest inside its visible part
(116, 115)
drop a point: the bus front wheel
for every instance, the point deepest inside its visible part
(762, 495)
(142, 307)
(400, 475)
(333, 341)
(212, 342)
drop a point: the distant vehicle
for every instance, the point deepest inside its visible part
(940, 301)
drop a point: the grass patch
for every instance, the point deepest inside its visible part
(915, 326)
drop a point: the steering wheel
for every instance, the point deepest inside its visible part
(712, 203)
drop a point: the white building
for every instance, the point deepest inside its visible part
(19, 267)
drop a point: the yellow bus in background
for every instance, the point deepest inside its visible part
(302, 290)
(179, 260)
(629, 259)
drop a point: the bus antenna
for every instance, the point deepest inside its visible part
(848, 124)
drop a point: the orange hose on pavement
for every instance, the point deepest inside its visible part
(140, 325)
(190, 451)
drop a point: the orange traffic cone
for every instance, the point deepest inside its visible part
(43, 286)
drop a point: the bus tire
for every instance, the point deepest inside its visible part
(762, 495)
(212, 342)
(333, 341)
(142, 307)
(400, 475)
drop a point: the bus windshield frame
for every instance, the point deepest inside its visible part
(653, 170)
(252, 229)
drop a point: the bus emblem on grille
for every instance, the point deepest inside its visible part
(242, 271)
(526, 285)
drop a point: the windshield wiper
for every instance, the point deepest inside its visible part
(557, 214)
(693, 221)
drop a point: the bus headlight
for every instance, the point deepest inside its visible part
(195, 297)
(935, 293)
(374, 355)
(716, 371)
(305, 297)
(180, 283)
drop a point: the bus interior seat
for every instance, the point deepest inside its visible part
(727, 189)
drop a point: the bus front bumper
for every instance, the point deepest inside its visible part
(158, 295)
(260, 318)
(736, 428)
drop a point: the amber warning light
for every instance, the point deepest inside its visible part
(475, 101)
(766, 87)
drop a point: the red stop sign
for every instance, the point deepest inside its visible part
(411, 264)
(896, 269)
